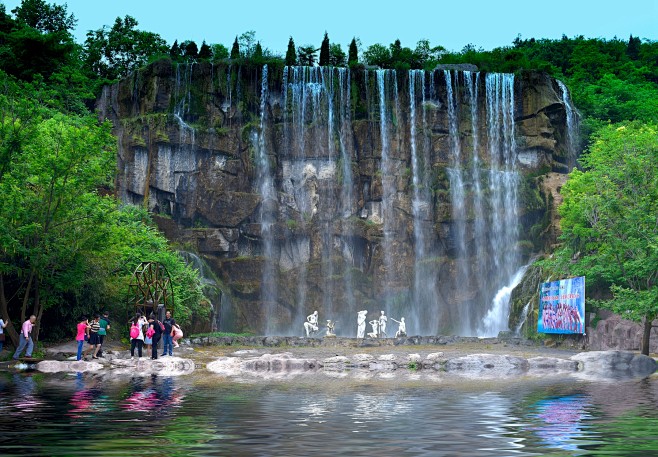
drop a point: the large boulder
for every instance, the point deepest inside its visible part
(614, 364)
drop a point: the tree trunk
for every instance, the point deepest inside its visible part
(26, 298)
(4, 313)
(37, 310)
(646, 334)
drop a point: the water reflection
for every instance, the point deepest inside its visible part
(151, 395)
(560, 420)
(25, 399)
(85, 414)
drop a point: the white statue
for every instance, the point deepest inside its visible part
(361, 321)
(311, 324)
(375, 328)
(402, 327)
(382, 324)
(330, 328)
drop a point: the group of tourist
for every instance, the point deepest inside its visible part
(149, 331)
(311, 326)
(93, 332)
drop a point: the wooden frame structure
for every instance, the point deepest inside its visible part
(150, 290)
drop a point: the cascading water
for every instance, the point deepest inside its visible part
(371, 196)
(265, 187)
(424, 294)
(572, 126)
(317, 171)
(503, 259)
(458, 199)
(387, 177)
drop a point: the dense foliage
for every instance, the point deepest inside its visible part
(610, 221)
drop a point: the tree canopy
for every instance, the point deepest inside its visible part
(610, 220)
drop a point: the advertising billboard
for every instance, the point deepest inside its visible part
(562, 306)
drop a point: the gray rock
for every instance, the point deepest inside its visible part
(551, 364)
(487, 366)
(614, 364)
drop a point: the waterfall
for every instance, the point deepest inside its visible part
(497, 316)
(424, 296)
(317, 172)
(265, 188)
(346, 195)
(572, 126)
(522, 320)
(458, 199)
(503, 260)
(388, 179)
(211, 290)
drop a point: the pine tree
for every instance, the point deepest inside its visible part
(175, 51)
(324, 51)
(291, 54)
(353, 53)
(633, 48)
(258, 52)
(205, 52)
(235, 50)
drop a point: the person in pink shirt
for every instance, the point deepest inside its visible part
(26, 338)
(82, 330)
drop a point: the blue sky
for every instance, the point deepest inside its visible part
(452, 24)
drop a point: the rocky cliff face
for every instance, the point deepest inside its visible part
(414, 193)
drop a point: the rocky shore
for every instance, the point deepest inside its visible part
(267, 358)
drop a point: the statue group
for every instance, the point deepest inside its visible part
(378, 326)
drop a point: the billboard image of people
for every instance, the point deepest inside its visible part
(562, 306)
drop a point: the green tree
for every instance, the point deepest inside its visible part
(633, 48)
(378, 54)
(219, 52)
(306, 55)
(205, 52)
(175, 51)
(247, 44)
(610, 221)
(190, 50)
(258, 52)
(235, 50)
(353, 53)
(291, 54)
(112, 54)
(324, 51)
(44, 17)
(49, 207)
(337, 57)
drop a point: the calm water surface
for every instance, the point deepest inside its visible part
(88, 415)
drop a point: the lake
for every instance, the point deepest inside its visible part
(325, 415)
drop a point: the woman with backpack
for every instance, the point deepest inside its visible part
(136, 338)
(155, 329)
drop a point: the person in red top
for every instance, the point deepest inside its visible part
(26, 338)
(82, 330)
